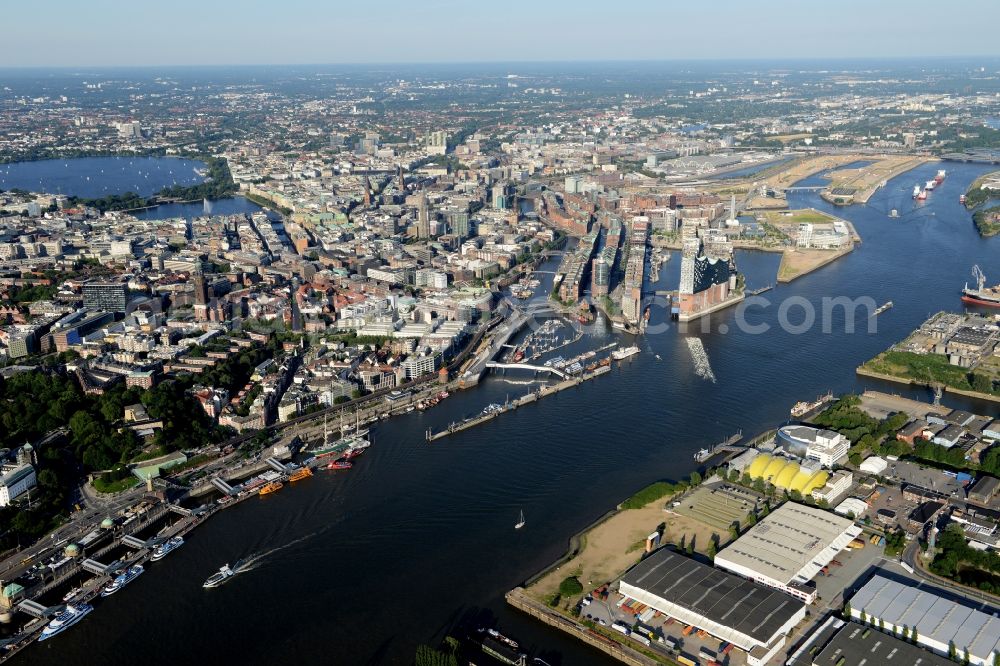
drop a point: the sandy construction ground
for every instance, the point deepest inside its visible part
(796, 263)
(617, 543)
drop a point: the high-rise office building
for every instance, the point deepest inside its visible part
(423, 218)
(105, 296)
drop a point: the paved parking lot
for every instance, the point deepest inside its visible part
(891, 499)
(928, 477)
(854, 563)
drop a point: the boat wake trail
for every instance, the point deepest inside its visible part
(257, 560)
(702, 367)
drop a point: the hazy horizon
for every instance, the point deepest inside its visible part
(104, 33)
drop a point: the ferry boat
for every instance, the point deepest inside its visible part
(272, 487)
(123, 579)
(340, 464)
(626, 352)
(300, 473)
(65, 620)
(165, 548)
(220, 577)
(981, 295)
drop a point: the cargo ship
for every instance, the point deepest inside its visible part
(122, 579)
(165, 548)
(981, 295)
(65, 620)
(882, 308)
(301, 473)
(272, 487)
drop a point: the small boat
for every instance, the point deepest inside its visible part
(301, 473)
(220, 577)
(122, 579)
(520, 523)
(351, 453)
(165, 548)
(272, 487)
(340, 464)
(65, 620)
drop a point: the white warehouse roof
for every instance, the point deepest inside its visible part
(873, 465)
(852, 505)
(939, 620)
(790, 545)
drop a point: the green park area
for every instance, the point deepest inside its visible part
(932, 369)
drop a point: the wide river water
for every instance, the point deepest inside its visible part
(418, 537)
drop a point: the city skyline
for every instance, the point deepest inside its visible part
(100, 35)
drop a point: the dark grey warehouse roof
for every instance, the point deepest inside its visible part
(747, 607)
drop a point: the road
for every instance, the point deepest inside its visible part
(911, 558)
(97, 506)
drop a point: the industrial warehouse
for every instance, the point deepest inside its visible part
(788, 547)
(942, 623)
(750, 616)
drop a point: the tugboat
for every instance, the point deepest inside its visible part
(165, 548)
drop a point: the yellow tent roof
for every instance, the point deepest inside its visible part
(783, 479)
(772, 469)
(757, 466)
(818, 480)
(801, 479)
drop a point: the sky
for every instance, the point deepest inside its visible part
(59, 33)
